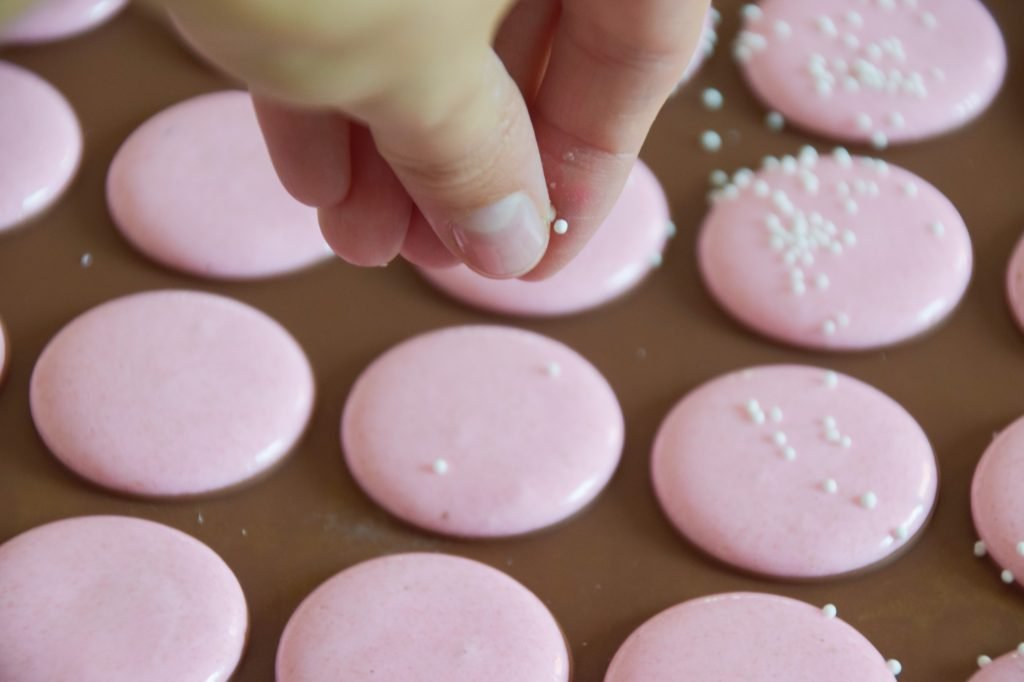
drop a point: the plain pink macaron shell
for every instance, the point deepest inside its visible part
(48, 20)
(836, 253)
(726, 479)
(1015, 283)
(1006, 668)
(996, 501)
(852, 70)
(749, 637)
(117, 599)
(41, 143)
(168, 393)
(615, 260)
(194, 189)
(413, 617)
(482, 431)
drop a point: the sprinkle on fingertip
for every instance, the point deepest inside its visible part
(560, 226)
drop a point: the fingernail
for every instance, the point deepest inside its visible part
(505, 239)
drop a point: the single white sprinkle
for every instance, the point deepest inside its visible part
(846, 442)
(851, 41)
(896, 120)
(86, 259)
(742, 177)
(751, 12)
(776, 415)
(901, 532)
(894, 666)
(775, 121)
(828, 327)
(671, 229)
(782, 29)
(553, 369)
(440, 467)
(854, 18)
(712, 99)
(821, 281)
(843, 188)
(710, 141)
(929, 20)
(830, 486)
(980, 549)
(742, 53)
(842, 156)
(770, 163)
(833, 436)
(850, 205)
(245, 532)
(561, 226)
(657, 259)
(869, 500)
(827, 26)
(789, 453)
(1006, 576)
(779, 438)
(831, 379)
(910, 189)
(849, 238)
(830, 610)
(808, 155)
(843, 319)
(1020, 548)
(761, 188)
(1020, 649)
(829, 422)
(874, 51)
(937, 228)
(199, 518)
(719, 178)
(864, 122)
(879, 140)
(983, 660)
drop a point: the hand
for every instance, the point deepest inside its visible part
(412, 132)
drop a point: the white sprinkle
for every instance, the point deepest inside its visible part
(1020, 649)
(827, 26)
(843, 319)
(789, 453)
(842, 156)
(896, 120)
(894, 666)
(879, 140)
(742, 177)
(808, 155)
(751, 12)
(864, 122)
(910, 189)
(901, 532)
(833, 436)
(711, 141)
(776, 415)
(830, 486)
(561, 226)
(828, 327)
(719, 178)
(869, 500)
(553, 369)
(761, 188)
(831, 379)
(846, 442)
(199, 518)
(849, 238)
(874, 52)
(830, 610)
(671, 229)
(782, 29)
(770, 163)
(86, 259)
(854, 18)
(1020, 548)
(779, 438)
(843, 188)
(440, 467)
(798, 287)
(657, 259)
(821, 281)
(851, 41)
(774, 121)
(742, 53)
(829, 422)
(929, 20)
(245, 532)
(937, 228)
(980, 549)
(1006, 576)
(983, 660)
(850, 205)
(712, 99)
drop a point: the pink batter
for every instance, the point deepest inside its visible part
(794, 471)
(482, 431)
(171, 393)
(414, 617)
(618, 257)
(1007, 668)
(41, 143)
(997, 504)
(117, 599)
(880, 71)
(1015, 284)
(193, 188)
(837, 253)
(746, 637)
(47, 20)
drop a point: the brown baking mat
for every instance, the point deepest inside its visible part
(619, 562)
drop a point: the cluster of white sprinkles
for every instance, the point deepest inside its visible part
(803, 239)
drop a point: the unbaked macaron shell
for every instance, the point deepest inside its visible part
(997, 504)
(1006, 668)
(117, 599)
(412, 617)
(836, 252)
(41, 142)
(750, 637)
(794, 471)
(482, 431)
(168, 393)
(1015, 283)
(880, 72)
(616, 259)
(194, 189)
(49, 20)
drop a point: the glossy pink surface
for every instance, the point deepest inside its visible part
(117, 599)
(41, 145)
(1015, 284)
(47, 20)
(749, 637)
(414, 617)
(729, 482)
(528, 431)
(193, 188)
(1007, 668)
(835, 253)
(996, 501)
(171, 393)
(616, 259)
(851, 70)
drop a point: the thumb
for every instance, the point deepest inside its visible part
(461, 142)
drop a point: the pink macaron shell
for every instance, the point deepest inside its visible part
(617, 258)
(413, 617)
(725, 478)
(1015, 283)
(41, 145)
(117, 599)
(49, 20)
(168, 393)
(1007, 668)
(904, 70)
(193, 188)
(996, 501)
(749, 637)
(528, 431)
(835, 253)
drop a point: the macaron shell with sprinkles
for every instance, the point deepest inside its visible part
(794, 471)
(49, 20)
(413, 617)
(615, 260)
(750, 637)
(997, 504)
(876, 71)
(194, 189)
(41, 142)
(1006, 668)
(117, 599)
(482, 431)
(835, 253)
(1015, 283)
(170, 393)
